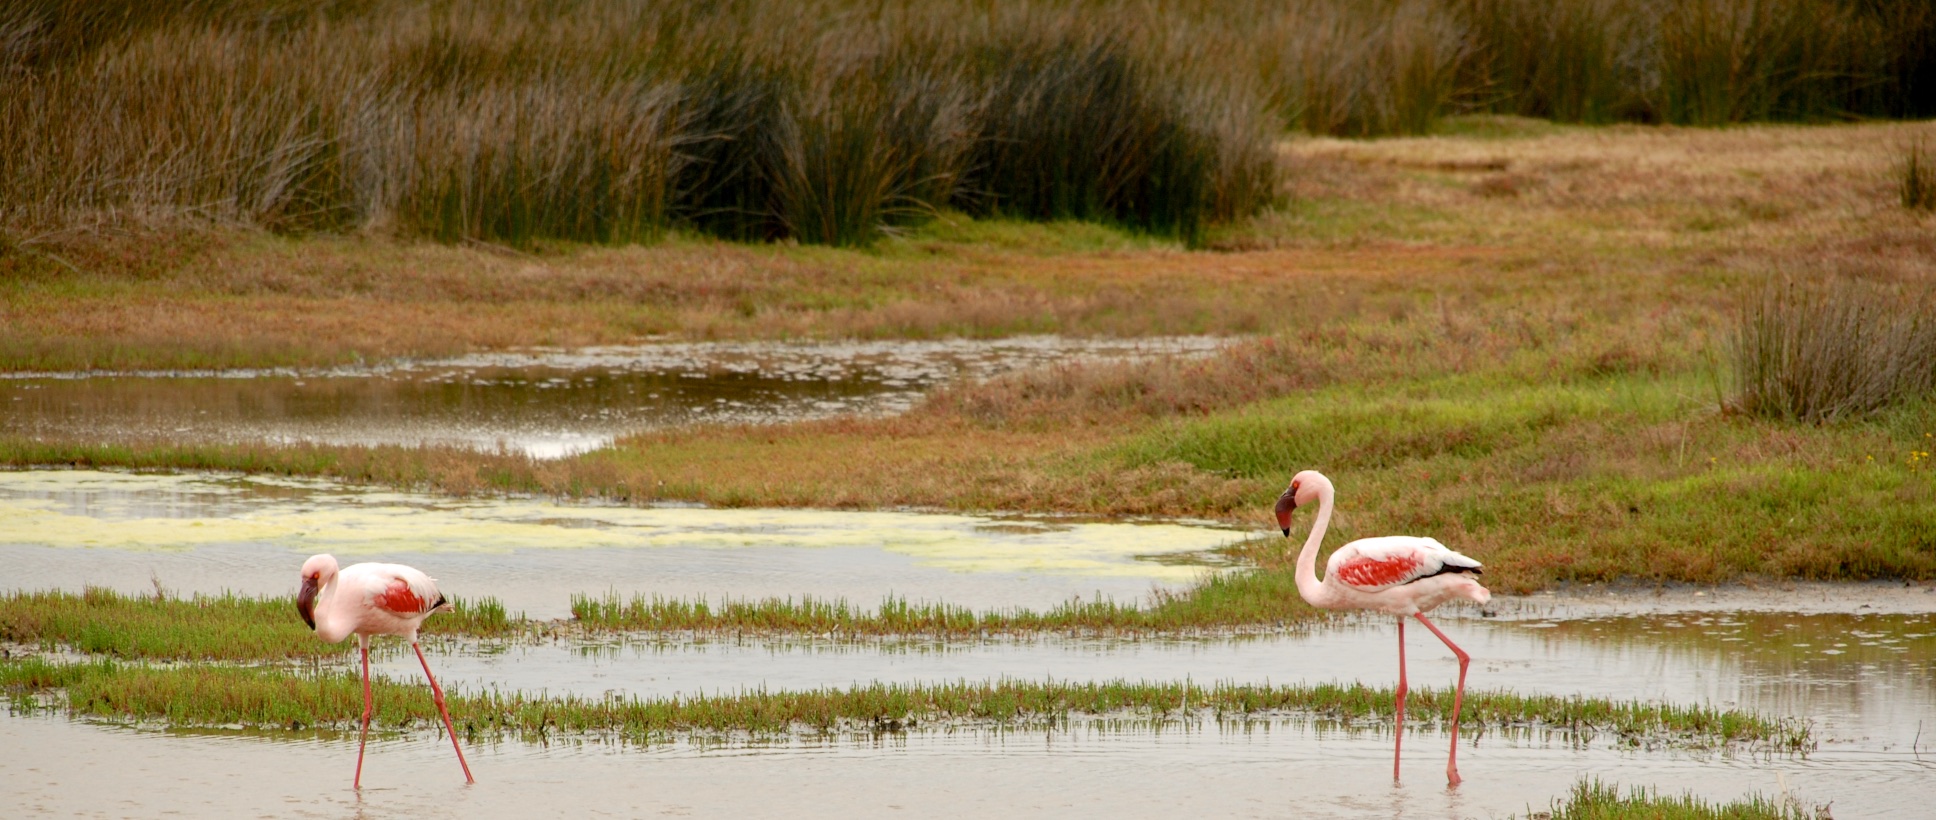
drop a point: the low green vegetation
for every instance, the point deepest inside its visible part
(1220, 602)
(276, 698)
(231, 628)
(226, 627)
(1594, 800)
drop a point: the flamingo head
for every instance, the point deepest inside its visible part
(1304, 489)
(317, 571)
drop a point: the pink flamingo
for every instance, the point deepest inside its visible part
(1397, 574)
(373, 599)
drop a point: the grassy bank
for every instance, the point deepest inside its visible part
(268, 698)
(1515, 340)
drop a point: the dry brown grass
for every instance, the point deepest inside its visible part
(1574, 215)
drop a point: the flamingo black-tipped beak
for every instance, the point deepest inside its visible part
(1285, 504)
(306, 600)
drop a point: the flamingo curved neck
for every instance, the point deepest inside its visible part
(1309, 587)
(327, 626)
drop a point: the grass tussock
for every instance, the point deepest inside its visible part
(272, 698)
(1821, 352)
(527, 122)
(1917, 175)
(1594, 800)
(538, 120)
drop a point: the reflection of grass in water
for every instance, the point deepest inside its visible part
(268, 697)
(1593, 800)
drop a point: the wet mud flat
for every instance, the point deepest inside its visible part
(543, 403)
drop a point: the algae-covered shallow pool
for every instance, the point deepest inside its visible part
(202, 533)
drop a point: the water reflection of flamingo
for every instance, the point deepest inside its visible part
(373, 599)
(1397, 574)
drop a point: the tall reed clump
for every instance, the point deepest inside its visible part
(1916, 180)
(1395, 66)
(1822, 352)
(1075, 128)
(1362, 69)
(524, 120)
(1575, 61)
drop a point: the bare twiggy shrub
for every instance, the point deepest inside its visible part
(1819, 352)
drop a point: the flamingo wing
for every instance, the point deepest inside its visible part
(1374, 564)
(404, 592)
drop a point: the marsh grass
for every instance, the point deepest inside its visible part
(103, 622)
(1917, 179)
(1531, 379)
(226, 627)
(1221, 602)
(531, 120)
(266, 697)
(1824, 352)
(1595, 800)
(527, 122)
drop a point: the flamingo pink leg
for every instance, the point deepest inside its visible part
(363, 644)
(1398, 729)
(1458, 698)
(437, 694)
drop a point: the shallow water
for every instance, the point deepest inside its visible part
(1867, 681)
(65, 529)
(547, 404)
(1203, 769)
(1870, 694)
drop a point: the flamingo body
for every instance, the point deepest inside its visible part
(1400, 575)
(374, 599)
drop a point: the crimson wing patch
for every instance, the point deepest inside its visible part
(1366, 572)
(399, 598)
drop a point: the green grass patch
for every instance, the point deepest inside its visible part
(268, 697)
(1620, 477)
(1594, 800)
(1221, 602)
(225, 627)
(103, 622)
